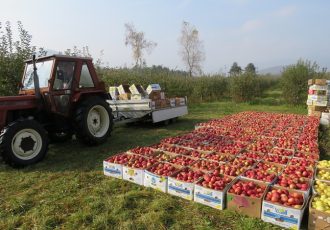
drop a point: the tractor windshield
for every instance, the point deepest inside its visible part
(44, 69)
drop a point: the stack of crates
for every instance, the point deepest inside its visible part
(318, 97)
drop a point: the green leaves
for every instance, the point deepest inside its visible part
(294, 80)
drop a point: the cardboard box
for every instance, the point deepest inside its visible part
(180, 101)
(249, 206)
(317, 219)
(322, 88)
(172, 102)
(152, 88)
(137, 97)
(155, 96)
(316, 108)
(320, 81)
(125, 96)
(133, 175)
(287, 217)
(180, 188)
(314, 97)
(113, 90)
(112, 169)
(309, 102)
(123, 89)
(311, 82)
(162, 95)
(317, 172)
(155, 181)
(316, 181)
(137, 89)
(210, 197)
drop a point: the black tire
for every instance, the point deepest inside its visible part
(83, 132)
(60, 137)
(32, 134)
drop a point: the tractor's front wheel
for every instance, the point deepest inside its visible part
(23, 143)
(94, 121)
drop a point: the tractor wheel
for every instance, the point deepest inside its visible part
(93, 121)
(23, 143)
(59, 137)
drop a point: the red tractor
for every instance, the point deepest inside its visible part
(59, 96)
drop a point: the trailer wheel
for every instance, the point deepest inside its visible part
(59, 137)
(23, 143)
(93, 121)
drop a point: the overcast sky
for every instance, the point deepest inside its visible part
(267, 33)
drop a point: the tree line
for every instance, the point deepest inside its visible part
(241, 85)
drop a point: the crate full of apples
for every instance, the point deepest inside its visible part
(211, 189)
(245, 196)
(156, 176)
(133, 170)
(283, 207)
(181, 184)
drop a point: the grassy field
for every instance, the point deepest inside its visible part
(69, 191)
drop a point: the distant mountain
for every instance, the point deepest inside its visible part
(275, 70)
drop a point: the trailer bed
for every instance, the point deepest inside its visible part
(126, 111)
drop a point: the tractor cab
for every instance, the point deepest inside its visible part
(62, 81)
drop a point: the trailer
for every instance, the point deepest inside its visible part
(128, 111)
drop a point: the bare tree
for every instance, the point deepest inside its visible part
(138, 43)
(192, 51)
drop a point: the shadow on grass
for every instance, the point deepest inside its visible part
(75, 156)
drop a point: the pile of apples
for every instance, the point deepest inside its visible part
(218, 157)
(262, 145)
(298, 171)
(231, 170)
(324, 164)
(286, 143)
(196, 154)
(214, 181)
(252, 155)
(145, 151)
(140, 162)
(121, 158)
(175, 149)
(189, 175)
(163, 169)
(258, 174)
(321, 203)
(282, 152)
(276, 159)
(269, 167)
(182, 160)
(322, 187)
(293, 183)
(323, 174)
(247, 188)
(306, 156)
(162, 157)
(302, 162)
(243, 162)
(286, 198)
(205, 165)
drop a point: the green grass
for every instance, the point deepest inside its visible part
(69, 191)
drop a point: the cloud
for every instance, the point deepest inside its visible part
(286, 11)
(251, 25)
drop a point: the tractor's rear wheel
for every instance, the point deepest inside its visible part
(23, 143)
(93, 121)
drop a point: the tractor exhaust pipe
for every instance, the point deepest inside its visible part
(36, 78)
